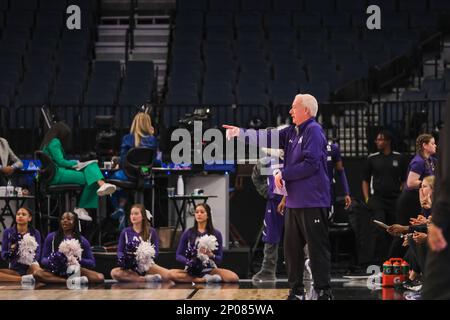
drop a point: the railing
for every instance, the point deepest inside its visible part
(408, 119)
(240, 115)
(25, 127)
(352, 124)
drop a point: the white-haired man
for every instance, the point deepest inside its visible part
(305, 177)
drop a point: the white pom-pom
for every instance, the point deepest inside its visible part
(72, 250)
(145, 253)
(208, 242)
(27, 249)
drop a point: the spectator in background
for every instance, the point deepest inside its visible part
(141, 135)
(335, 165)
(384, 173)
(273, 217)
(55, 140)
(8, 161)
(421, 166)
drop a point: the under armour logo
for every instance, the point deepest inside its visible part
(316, 220)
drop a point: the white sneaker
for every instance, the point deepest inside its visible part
(153, 277)
(212, 278)
(106, 189)
(28, 278)
(28, 285)
(82, 214)
(412, 295)
(77, 282)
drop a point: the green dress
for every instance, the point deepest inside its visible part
(65, 174)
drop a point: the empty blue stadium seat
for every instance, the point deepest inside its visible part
(416, 6)
(312, 20)
(3, 5)
(19, 19)
(52, 5)
(277, 20)
(342, 20)
(220, 20)
(282, 93)
(359, 6)
(223, 6)
(287, 5)
(248, 20)
(188, 98)
(431, 85)
(7, 89)
(189, 5)
(388, 6)
(409, 95)
(23, 5)
(439, 6)
(255, 5)
(324, 6)
(321, 91)
(185, 19)
(142, 71)
(4, 100)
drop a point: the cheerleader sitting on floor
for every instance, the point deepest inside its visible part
(21, 247)
(200, 250)
(137, 249)
(67, 255)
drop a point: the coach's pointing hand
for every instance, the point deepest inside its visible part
(231, 132)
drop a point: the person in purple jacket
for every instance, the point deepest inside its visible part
(19, 272)
(69, 229)
(203, 225)
(140, 231)
(305, 177)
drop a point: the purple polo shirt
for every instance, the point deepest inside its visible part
(422, 167)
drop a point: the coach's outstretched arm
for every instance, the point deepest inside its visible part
(253, 137)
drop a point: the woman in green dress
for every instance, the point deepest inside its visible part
(90, 176)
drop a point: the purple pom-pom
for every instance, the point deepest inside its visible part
(128, 260)
(13, 253)
(57, 263)
(194, 264)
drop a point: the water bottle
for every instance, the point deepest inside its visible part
(9, 189)
(180, 186)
